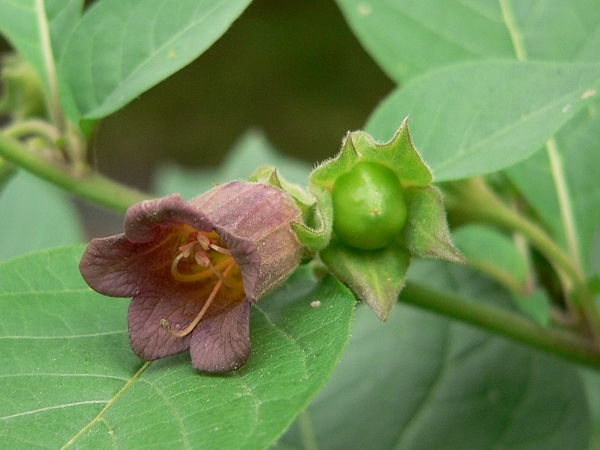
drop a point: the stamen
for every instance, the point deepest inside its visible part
(198, 276)
(203, 240)
(176, 274)
(223, 250)
(198, 246)
(202, 258)
(219, 275)
(187, 249)
(187, 330)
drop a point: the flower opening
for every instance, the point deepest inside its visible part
(202, 257)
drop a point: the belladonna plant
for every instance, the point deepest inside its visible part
(195, 268)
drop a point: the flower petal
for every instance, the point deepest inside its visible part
(222, 342)
(139, 260)
(117, 267)
(144, 220)
(178, 308)
(149, 340)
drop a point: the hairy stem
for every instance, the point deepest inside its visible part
(90, 186)
(33, 127)
(498, 320)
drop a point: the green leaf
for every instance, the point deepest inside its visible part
(475, 118)
(494, 254)
(39, 30)
(591, 381)
(122, 48)
(72, 378)
(536, 306)
(375, 276)
(35, 215)
(426, 233)
(407, 38)
(421, 381)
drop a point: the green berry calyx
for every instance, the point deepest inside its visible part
(369, 206)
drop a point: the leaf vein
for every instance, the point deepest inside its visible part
(174, 411)
(109, 404)
(50, 408)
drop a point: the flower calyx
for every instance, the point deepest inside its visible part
(384, 210)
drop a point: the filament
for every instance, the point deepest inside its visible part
(223, 250)
(187, 330)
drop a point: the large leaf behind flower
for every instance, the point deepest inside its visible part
(69, 376)
(422, 381)
(122, 48)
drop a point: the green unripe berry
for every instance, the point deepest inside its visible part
(368, 206)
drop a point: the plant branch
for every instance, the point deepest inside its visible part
(474, 200)
(33, 126)
(498, 320)
(90, 186)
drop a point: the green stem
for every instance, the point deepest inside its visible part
(307, 431)
(473, 199)
(91, 186)
(55, 110)
(33, 126)
(506, 323)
